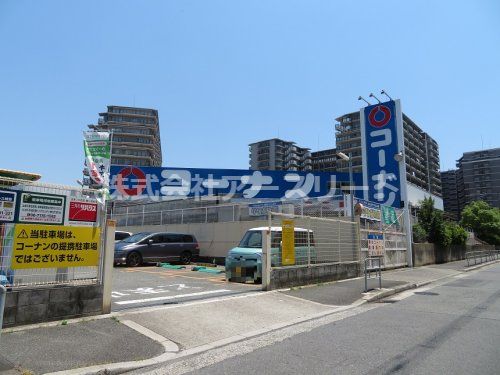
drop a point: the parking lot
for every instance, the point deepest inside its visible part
(135, 287)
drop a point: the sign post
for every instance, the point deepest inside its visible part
(107, 276)
(287, 243)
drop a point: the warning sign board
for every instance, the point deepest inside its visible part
(42, 208)
(55, 246)
(288, 243)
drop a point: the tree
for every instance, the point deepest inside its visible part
(431, 221)
(432, 227)
(484, 220)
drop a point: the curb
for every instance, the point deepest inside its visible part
(475, 267)
(402, 288)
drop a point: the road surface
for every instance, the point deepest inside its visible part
(449, 328)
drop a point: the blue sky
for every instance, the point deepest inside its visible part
(227, 73)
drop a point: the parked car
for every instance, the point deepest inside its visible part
(156, 247)
(120, 235)
(245, 260)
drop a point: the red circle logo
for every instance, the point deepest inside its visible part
(130, 173)
(379, 116)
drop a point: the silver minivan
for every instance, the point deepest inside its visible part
(147, 247)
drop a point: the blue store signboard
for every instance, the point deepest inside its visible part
(160, 183)
(380, 128)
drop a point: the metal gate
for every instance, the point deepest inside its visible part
(392, 237)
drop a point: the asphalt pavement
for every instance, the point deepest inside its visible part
(137, 287)
(61, 347)
(453, 328)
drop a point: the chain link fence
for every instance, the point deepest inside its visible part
(15, 278)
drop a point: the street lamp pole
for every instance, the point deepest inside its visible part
(351, 183)
(348, 158)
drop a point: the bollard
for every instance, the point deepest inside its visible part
(3, 296)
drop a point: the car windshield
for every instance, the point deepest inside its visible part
(252, 239)
(136, 237)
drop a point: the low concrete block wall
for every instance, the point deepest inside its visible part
(27, 306)
(429, 253)
(285, 277)
(424, 254)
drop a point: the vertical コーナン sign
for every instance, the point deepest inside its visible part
(287, 242)
(381, 138)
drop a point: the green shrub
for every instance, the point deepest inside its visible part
(419, 234)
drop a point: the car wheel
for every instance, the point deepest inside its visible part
(186, 257)
(134, 259)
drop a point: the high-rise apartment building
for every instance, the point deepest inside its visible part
(422, 152)
(136, 135)
(324, 160)
(277, 154)
(478, 177)
(450, 193)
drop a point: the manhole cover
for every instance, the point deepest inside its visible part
(427, 293)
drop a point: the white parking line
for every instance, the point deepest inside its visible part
(171, 297)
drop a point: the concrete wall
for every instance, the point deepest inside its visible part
(215, 239)
(27, 306)
(429, 253)
(285, 277)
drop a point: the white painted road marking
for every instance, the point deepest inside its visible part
(118, 294)
(171, 297)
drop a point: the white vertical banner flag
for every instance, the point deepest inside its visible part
(97, 147)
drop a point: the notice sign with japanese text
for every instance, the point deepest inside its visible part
(7, 205)
(42, 208)
(376, 246)
(55, 246)
(82, 212)
(287, 243)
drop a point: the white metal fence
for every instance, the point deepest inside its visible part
(43, 276)
(156, 214)
(317, 240)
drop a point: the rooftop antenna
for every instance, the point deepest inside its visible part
(383, 92)
(373, 96)
(363, 99)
